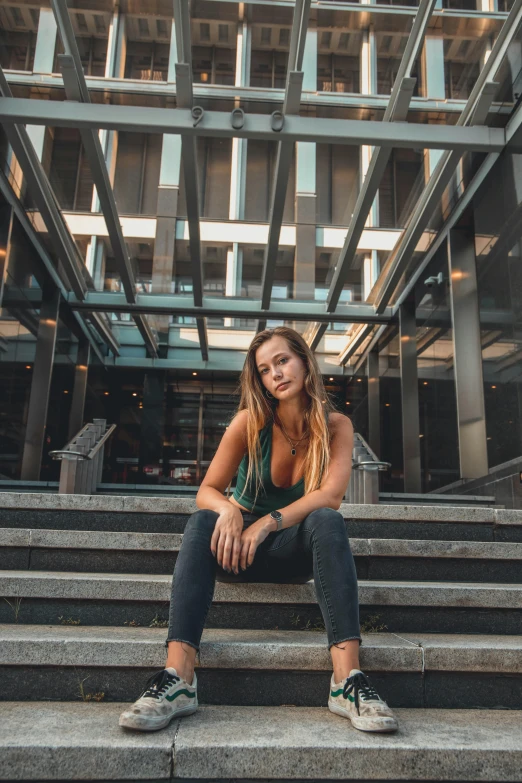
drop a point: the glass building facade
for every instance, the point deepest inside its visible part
(132, 294)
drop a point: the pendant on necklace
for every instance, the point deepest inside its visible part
(292, 452)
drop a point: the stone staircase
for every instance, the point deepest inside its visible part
(85, 583)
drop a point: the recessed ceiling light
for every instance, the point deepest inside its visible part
(134, 394)
(194, 373)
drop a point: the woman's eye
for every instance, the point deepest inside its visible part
(282, 360)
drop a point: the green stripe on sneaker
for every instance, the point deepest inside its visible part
(178, 693)
(338, 693)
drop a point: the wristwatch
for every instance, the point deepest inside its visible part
(278, 518)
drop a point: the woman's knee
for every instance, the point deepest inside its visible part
(326, 519)
(204, 519)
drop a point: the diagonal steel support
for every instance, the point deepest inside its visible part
(41, 190)
(444, 171)
(185, 100)
(76, 90)
(364, 331)
(102, 326)
(474, 113)
(396, 111)
(285, 150)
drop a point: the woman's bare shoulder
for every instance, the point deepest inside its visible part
(238, 426)
(338, 422)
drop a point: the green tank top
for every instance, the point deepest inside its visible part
(269, 497)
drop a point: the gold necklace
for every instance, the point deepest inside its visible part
(290, 441)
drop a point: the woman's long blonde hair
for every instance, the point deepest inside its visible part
(261, 409)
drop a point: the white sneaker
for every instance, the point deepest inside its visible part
(355, 698)
(166, 696)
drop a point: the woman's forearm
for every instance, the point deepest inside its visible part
(213, 499)
(297, 511)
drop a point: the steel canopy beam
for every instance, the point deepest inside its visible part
(76, 90)
(285, 150)
(185, 100)
(323, 130)
(474, 113)
(177, 304)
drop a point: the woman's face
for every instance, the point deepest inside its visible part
(282, 371)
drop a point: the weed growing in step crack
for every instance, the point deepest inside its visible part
(68, 620)
(15, 606)
(371, 624)
(157, 622)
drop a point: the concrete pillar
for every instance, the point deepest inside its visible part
(41, 384)
(76, 416)
(46, 38)
(432, 70)
(467, 355)
(306, 187)
(409, 397)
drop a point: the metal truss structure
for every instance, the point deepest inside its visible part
(470, 133)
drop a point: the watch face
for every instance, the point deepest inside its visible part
(276, 515)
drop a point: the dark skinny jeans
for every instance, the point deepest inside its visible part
(318, 546)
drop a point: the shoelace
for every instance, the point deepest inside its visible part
(360, 684)
(158, 684)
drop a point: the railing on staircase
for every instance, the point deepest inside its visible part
(82, 459)
(366, 466)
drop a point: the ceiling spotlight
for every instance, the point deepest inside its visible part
(27, 366)
(348, 403)
(330, 379)
(387, 405)
(65, 391)
(194, 373)
(359, 380)
(425, 383)
(134, 394)
(105, 394)
(493, 387)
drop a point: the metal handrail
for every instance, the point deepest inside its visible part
(82, 459)
(366, 466)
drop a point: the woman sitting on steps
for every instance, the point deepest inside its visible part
(281, 525)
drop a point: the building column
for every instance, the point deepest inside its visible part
(41, 384)
(234, 268)
(467, 355)
(46, 38)
(374, 402)
(152, 420)
(306, 187)
(114, 68)
(76, 415)
(370, 268)
(409, 397)
(432, 70)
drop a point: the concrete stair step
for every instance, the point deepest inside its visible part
(84, 742)
(260, 668)
(116, 599)
(131, 552)
(161, 515)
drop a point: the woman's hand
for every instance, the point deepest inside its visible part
(251, 537)
(225, 543)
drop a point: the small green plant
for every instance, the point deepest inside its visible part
(89, 696)
(68, 620)
(371, 624)
(132, 623)
(157, 622)
(308, 626)
(15, 606)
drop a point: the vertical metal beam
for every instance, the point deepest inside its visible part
(41, 384)
(79, 388)
(152, 419)
(409, 398)
(467, 351)
(374, 403)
